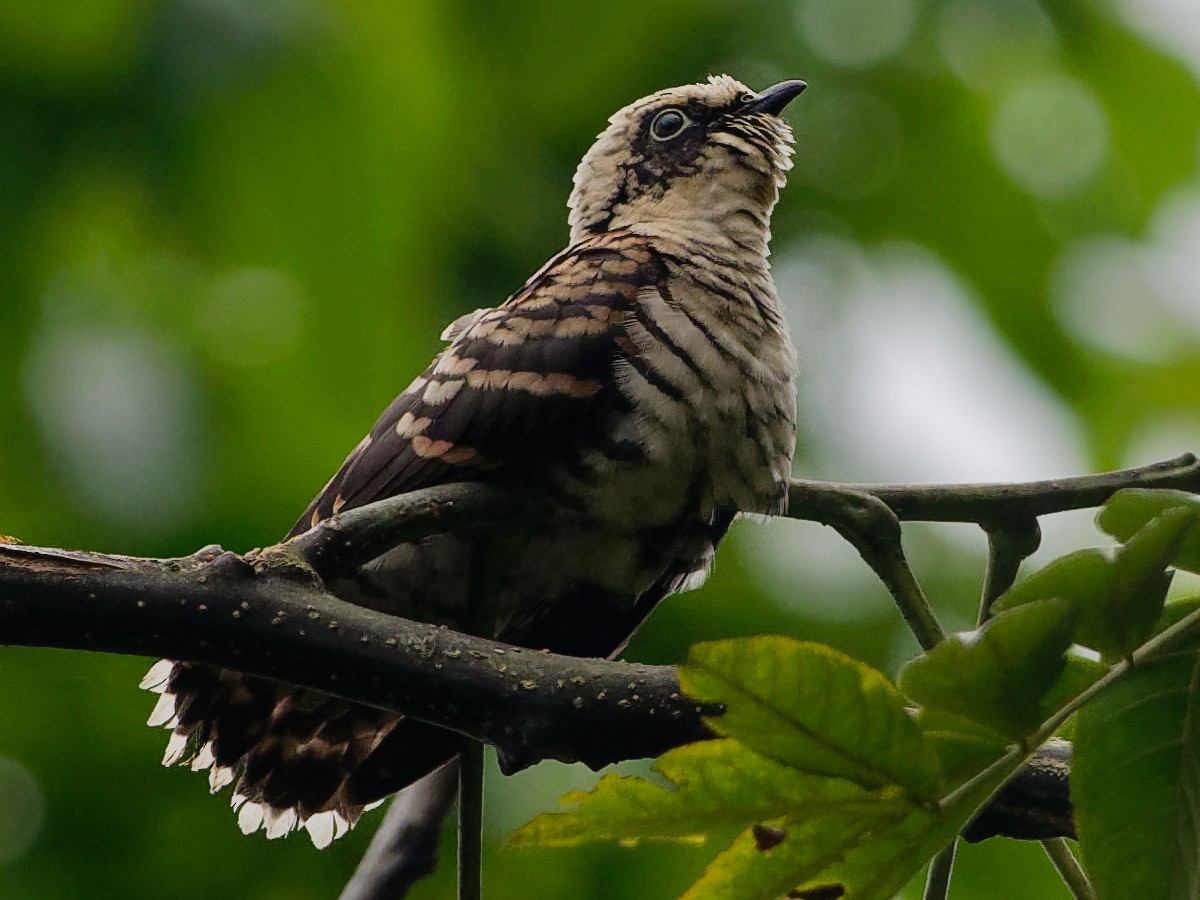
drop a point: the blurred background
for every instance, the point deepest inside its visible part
(231, 232)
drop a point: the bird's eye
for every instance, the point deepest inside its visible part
(668, 124)
(747, 98)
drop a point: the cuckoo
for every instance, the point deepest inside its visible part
(641, 386)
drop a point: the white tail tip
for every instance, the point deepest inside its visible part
(164, 711)
(250, 818)
(219, 777)
(204, 758)
(280, 823)
(156, 679)
(176, 748)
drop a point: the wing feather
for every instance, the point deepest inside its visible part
(517, 384)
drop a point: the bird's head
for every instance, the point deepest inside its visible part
(709, 157)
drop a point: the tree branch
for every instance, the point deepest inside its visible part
(271, 617)
(992, 503)
(268, 613)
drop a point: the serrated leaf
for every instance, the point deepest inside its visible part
(710, 787)
(1127, 511)
(1135, 780)
(996, 675)
(746, 871)
(815, 709)
(871, 857)
(798, 828)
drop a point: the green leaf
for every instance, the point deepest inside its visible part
(1118, 593)
(748, 870)
(1079, 673)
(1126, 512)
(996, 675)
(1085, 576)
(870, 856)
(710, 787)
(815, 709)
(1140, 581)
(1136, 777)
(963, 747)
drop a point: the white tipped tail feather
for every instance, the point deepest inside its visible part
(323, 827)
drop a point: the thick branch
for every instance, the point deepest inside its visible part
(276, 620)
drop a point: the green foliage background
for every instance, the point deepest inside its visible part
(232, 232)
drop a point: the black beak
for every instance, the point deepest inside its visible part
(776, 97)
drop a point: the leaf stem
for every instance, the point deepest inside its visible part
(937, 882)
(1068, 868)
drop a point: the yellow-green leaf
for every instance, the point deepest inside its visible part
(709, 787)
(815, 709)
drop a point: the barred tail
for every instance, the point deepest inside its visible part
(296, 758)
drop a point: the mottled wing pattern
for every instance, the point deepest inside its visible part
(516, 385)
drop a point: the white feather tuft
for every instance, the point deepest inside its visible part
(280, 823)
(156, 678)
(204, 758)
(321, 828)
(219, 777)
(164, 711)
(250, 817)
(176, 748)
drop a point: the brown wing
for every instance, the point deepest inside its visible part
(515, 385)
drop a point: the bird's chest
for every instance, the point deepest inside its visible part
(710, 417)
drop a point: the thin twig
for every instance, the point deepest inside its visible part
(470, 821)
(997, 502)
(1069, 869)
(874, 531)
(404, 848)
(1008, 546)
(481, 621)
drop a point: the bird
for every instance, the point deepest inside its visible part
(641, 386)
